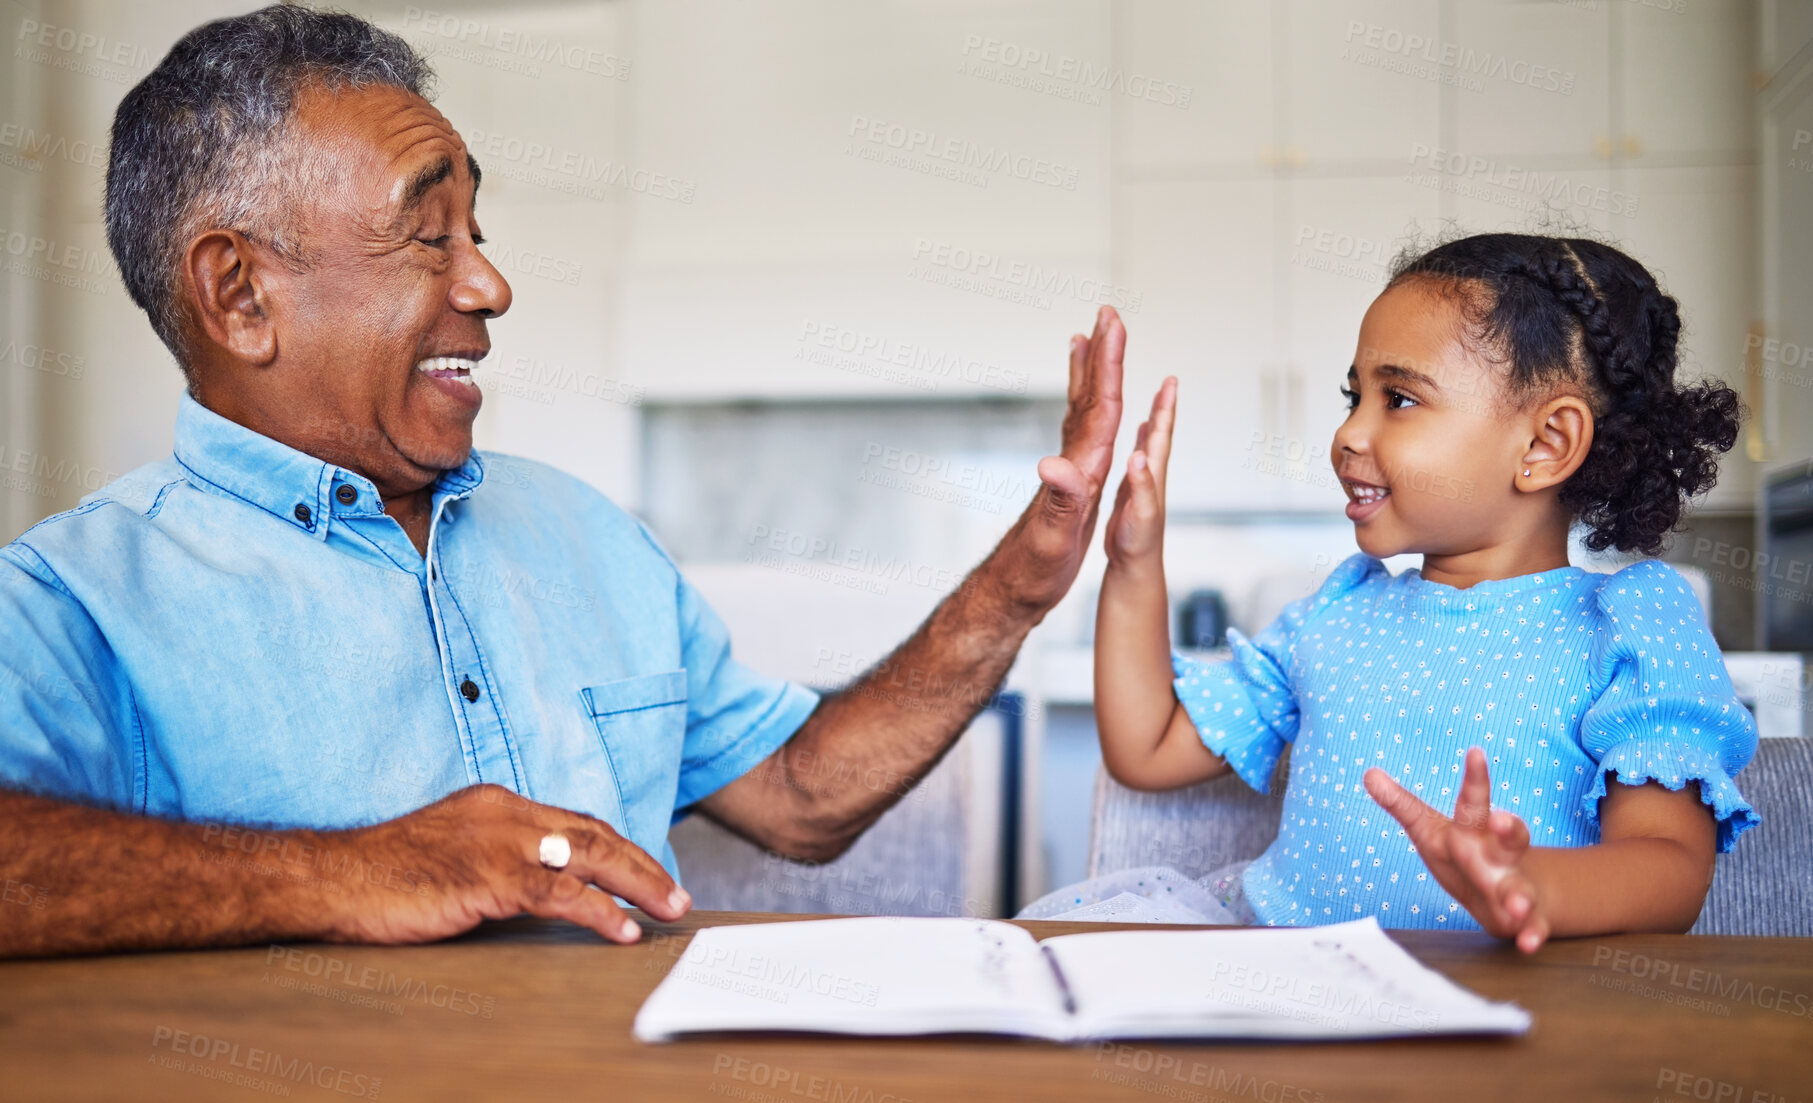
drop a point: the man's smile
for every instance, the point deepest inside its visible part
(452, 374)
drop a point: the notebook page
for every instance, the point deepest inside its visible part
(868, 975)
(1343, 981)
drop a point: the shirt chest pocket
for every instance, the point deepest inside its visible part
(641, 722)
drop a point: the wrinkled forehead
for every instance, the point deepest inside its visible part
(378, 134)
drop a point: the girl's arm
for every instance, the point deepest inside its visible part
(1148, 741)
(1649, 871)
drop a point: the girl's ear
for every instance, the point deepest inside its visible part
(1562, 435)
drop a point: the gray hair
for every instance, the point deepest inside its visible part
(205, 142)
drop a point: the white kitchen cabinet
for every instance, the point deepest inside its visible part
(1785, 27)
(1536, 81)
(932, 195)
(1687, 85)
(1204, 255)
(1341, 236)
(1691, 231)
(1358, 86)
(1780, 348)
(1223, 54)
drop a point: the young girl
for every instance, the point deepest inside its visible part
(1580, 728)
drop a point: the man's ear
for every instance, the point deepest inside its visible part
(1561, 436)
(227, 277)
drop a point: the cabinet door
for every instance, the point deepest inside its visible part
(1690, 231)
(1780, 352)
(1687, 90)
(1785, 27)
(879, 190)
(1361, 83)
(1535, 81)
(1223, 55)
(1340, 237)
(1201, 252)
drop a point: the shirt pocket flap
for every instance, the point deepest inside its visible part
(645, 691)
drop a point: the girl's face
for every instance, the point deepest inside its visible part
(1431, 445)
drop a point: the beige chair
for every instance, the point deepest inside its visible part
(934, 853)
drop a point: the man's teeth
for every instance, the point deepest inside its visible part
(449, 367)
(1367, 494)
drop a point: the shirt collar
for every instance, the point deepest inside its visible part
(293, 486)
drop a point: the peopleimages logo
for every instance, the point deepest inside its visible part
(1004, 277)
(1512, 185)
(548, 49)
(1457, 59)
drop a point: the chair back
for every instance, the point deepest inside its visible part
(1195, 830)
(1765, 885)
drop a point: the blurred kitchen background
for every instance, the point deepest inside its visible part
(794, 282)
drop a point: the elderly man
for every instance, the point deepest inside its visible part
(239, 685)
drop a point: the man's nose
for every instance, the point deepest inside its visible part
(480, 288)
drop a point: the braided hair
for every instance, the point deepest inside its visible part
(1573, 314)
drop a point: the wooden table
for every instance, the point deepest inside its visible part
(531, 1009)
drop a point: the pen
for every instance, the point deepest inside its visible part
(1063, 985)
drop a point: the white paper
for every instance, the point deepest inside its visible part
(868, 975)
(1348, 980)
(886, 975)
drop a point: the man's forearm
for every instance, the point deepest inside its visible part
(867, 745)
(81, 880)
(811, 798)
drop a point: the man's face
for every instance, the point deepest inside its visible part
(397, 294)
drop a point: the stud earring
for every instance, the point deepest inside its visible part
(1526, 472)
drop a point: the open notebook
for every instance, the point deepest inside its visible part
(885, 975)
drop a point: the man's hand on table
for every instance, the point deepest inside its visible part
(475, 856)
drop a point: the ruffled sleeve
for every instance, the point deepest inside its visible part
(1245, 707)
(1668, 712)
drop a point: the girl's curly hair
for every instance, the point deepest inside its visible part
(1576, 314)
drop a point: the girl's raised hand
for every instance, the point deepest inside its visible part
(1477, 855)
(1136, 529)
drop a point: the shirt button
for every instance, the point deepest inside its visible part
(304, 514)
(469, 690)
(347, 494)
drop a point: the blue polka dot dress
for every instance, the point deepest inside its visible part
(1563, 677)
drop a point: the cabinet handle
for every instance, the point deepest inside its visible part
(1756, 440)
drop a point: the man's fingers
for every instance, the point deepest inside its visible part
(1079, 363)
(1475, 800)
(1064, 481)
(619, 866)
(556, 895)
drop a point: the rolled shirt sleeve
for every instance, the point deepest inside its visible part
(65, 711)
(735, 717)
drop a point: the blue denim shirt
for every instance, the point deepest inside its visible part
(239, 634)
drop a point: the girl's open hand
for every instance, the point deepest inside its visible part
(1477, 856)
(1136, 529)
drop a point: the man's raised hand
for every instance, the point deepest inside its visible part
(1055, 532)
